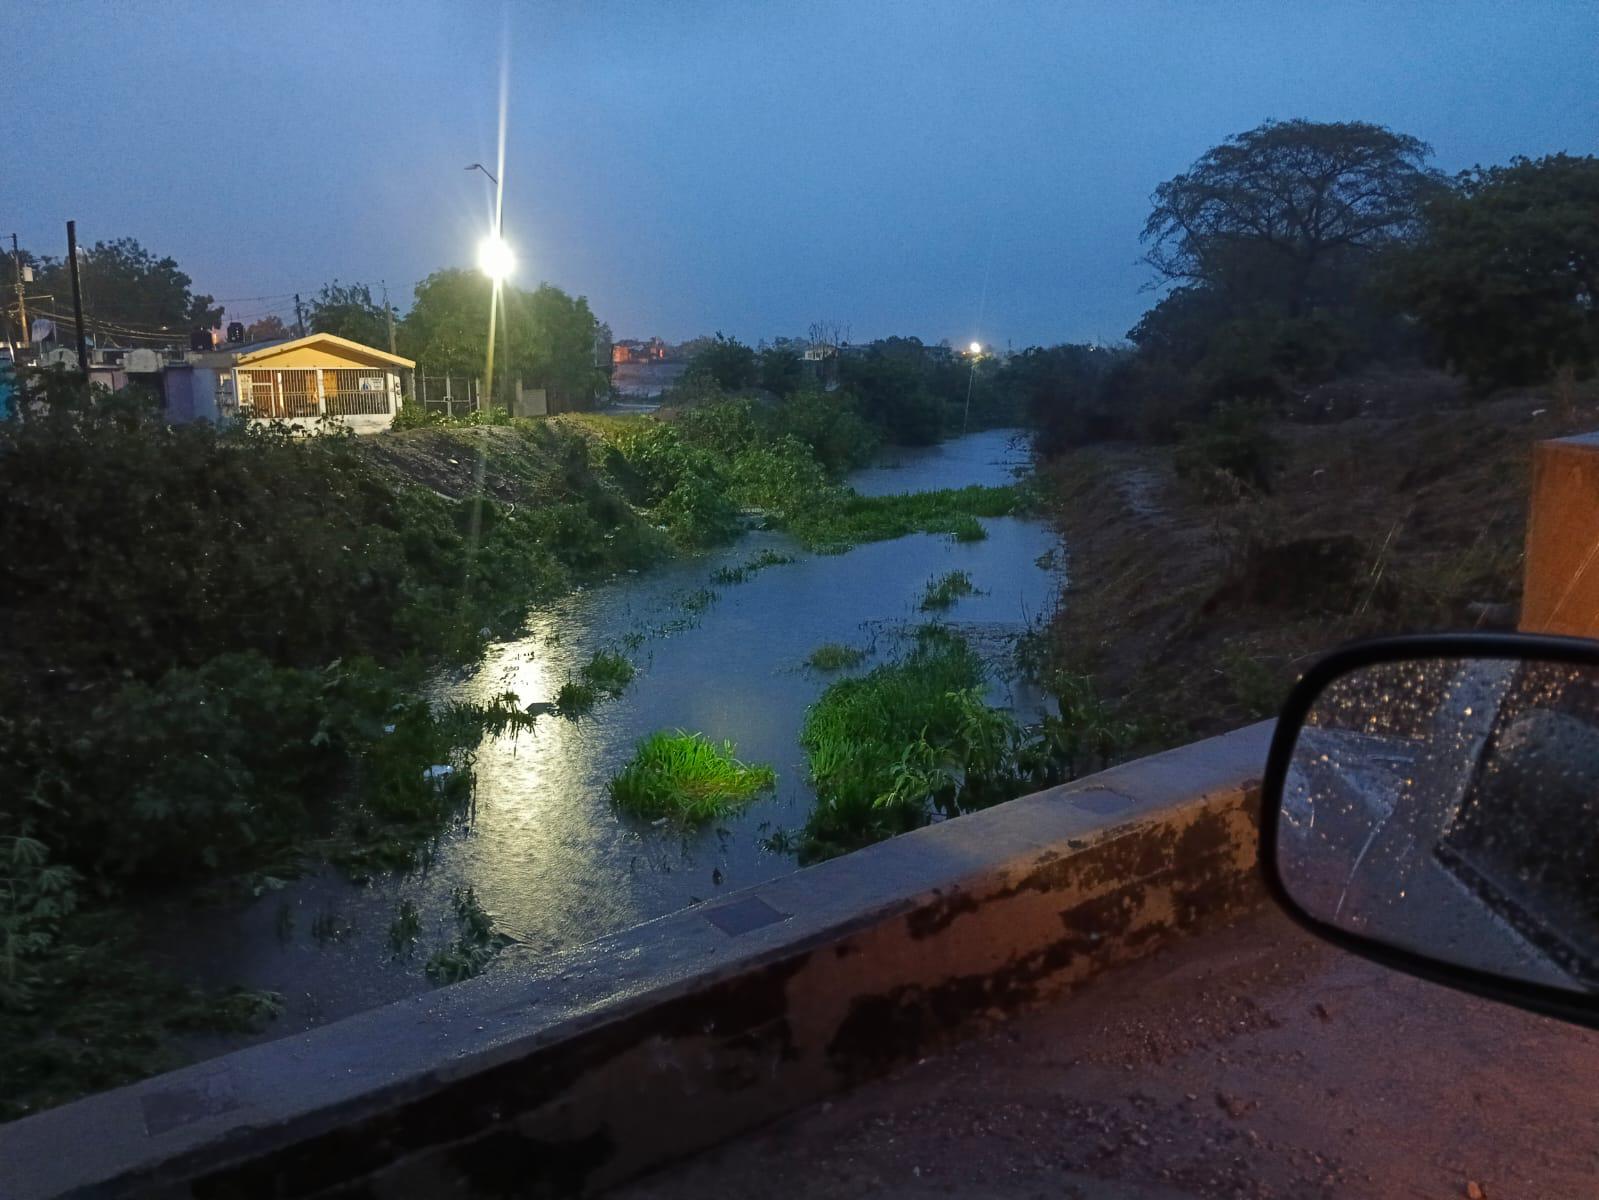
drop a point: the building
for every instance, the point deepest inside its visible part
(631, 350)
(299, 380)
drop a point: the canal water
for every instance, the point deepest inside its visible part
(542, 848)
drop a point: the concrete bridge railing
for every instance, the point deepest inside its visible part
(612, 1058)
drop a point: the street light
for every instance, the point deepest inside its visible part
(495, 258)
(976, 348)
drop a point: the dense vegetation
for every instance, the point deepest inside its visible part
(916, 739)
(216, 636)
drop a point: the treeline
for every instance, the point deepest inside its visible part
(902, 391)
(1300, 252)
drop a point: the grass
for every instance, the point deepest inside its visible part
(688, 776)
(835, 656)
(608, 672)
(698, 601)
(914, 737)
(744, 570)
(942, 592)
(968, 529)
(854, 518)
(574, 699)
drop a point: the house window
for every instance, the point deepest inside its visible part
(361, 392)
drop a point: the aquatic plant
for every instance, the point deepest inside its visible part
(477, 941)
(574, 699)
(942, 592)
(744, 570)
(608, 672)
(686, 775)
(967, 528)
(835, 656)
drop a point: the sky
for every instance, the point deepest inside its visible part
(960, 170)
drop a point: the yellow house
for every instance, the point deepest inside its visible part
(298, 380)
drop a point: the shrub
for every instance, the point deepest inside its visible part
(1233, 448)
(688, 776)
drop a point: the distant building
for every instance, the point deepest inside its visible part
(631, 350)
(298, 380)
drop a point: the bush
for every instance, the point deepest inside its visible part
(1233, 450)
(830, 424)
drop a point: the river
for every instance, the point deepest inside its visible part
(542, 848)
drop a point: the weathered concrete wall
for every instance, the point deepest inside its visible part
(1561, 587)
(588, 1067)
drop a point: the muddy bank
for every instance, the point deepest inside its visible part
(1197, 614)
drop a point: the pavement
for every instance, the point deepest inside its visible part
(1253, 1062)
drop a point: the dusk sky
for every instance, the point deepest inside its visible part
(945, 170)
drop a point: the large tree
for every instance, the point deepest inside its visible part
(1506, 278)
(1284, 212)
(348, 309)
(126, 287)
(545, 338)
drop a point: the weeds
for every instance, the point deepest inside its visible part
(688, 776)
(608, 672)
(834, 656)
(574, 699)
(941, 593)
(750, 567)
(967, 528)
(477, 942)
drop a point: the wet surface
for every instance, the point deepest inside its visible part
(542, 848)
(1253, 1062)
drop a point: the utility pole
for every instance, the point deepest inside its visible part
(22, 304)
(388, 314)
(77, 299)
(299, 316)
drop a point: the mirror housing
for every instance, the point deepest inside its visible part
(1432, 803)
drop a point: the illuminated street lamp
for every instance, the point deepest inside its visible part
(495, 258)
(976, 348)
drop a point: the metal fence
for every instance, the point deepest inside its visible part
(356, 393)
(452, 395)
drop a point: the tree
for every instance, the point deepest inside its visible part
(782, 369)
(1506, 277)
(349, 311)
(269, 328)
(126, 287)
(1285, 212)
(729, 362)
(548, 339)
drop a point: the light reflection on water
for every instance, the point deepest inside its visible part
(542, 847)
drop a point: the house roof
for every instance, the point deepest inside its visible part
(259, 350)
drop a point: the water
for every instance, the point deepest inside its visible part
(542, 848)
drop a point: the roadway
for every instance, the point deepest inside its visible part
(1254, 1062)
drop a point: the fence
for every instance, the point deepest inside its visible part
(296, 394)
(452, 395)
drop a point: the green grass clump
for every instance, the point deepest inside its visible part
(686, 775)
(574, 698)
(608, 672)
(968, 529)
(942, 592)
(851, 518)
(835, 656)
(738, 574)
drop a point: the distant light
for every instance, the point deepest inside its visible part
(495, 259)
(977, 347)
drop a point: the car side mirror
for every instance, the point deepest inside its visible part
(1433, 803)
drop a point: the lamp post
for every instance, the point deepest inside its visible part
(495, 260)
